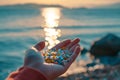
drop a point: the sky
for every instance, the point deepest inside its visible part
(66, 3)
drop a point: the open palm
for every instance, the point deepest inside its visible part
(35, 60)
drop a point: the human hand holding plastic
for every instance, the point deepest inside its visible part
(35, 60)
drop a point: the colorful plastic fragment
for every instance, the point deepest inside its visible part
(59, 56)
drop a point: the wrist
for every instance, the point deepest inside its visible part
(39, 73)
(27, 73)
(42, 70)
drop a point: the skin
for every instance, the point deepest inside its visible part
(34, 59)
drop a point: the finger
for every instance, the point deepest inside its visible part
(73, 57)
(62, 44)
(73, 48)
(40, 46)
(75, 41)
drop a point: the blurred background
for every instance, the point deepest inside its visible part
(25, 23)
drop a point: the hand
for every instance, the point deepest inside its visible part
(35, 60)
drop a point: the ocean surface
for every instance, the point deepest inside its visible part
(22, 28)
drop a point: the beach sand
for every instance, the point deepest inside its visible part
(106, 73)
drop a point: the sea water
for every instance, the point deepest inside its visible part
(21, 28)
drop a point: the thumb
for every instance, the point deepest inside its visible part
(39, 46)
(33, 54)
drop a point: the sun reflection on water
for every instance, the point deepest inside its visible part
(51, 17)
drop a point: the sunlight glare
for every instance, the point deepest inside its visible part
(51, 16)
